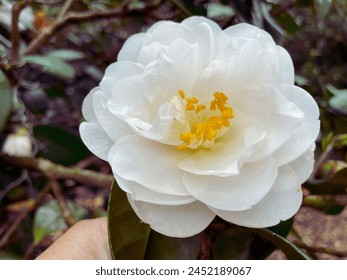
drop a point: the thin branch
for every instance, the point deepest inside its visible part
(16, 9)
(70, 18)
(66, 7)
(57, 171)
(22, 215)
(62, 202)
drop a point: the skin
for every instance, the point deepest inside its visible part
(86, 240)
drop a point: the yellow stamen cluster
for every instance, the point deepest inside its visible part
(204, 132)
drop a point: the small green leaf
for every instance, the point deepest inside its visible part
(322, 7)
(339, 103)
(291, 251)
(49, 220)
(52, 65)
(161, 247)
(5, 97)
(335, 91)
(216, 10)
(128, 236)
(66, 54)
(301, 80)
(60, 145)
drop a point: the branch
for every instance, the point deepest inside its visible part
(57, 171)
(23, 214)
(67, 5)
(61, 23)
(62, 202)
(16, 9)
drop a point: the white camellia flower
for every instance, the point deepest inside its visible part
(197, 122)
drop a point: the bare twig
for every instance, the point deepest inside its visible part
(56, 171)
(16, 9)
(73, 17)
(62, 202)
(22, 215)
(67, 5)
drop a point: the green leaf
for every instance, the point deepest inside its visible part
(128, 236)
(66, 54)
(291, 251)
(288, 23)
(60, 145)
(5, 96)
(48, 219)
(52, 65)
(233, 244)
(339, 103)
(335, 91)
(322, 7)
(216, 10)
(161, 247)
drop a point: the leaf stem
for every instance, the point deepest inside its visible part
(56, 171)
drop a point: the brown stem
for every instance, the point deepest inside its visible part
(22, 215)
(62, 202)
(57, 171)
(16, 9)
(67, 5)
(61, 23)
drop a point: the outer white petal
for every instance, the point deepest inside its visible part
(298, 144)
(286, 66)
(303, 166)
(131, 48)
(277, 116)
(281, 203)
(141, 193)
(95, 138)
(234, 193)
(87, 106)
(176, 221)
(116, 72)
(148, 163)
(114, 127)
(244, 30)
(302, 99)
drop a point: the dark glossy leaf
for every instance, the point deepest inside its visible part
(5, 103)
(288, 23)
(233, 244)
(128, 236)
(291, 251)
(161, 247)
(337, 184)
(60, 145)
(9, 255)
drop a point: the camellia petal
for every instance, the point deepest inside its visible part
(281, 203)
(234, 193)
(197, 121)
(141, 193)
(176, 221)
(148, 163)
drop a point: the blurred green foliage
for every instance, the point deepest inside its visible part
(52, 61)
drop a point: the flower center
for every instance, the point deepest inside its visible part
(206, 124)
